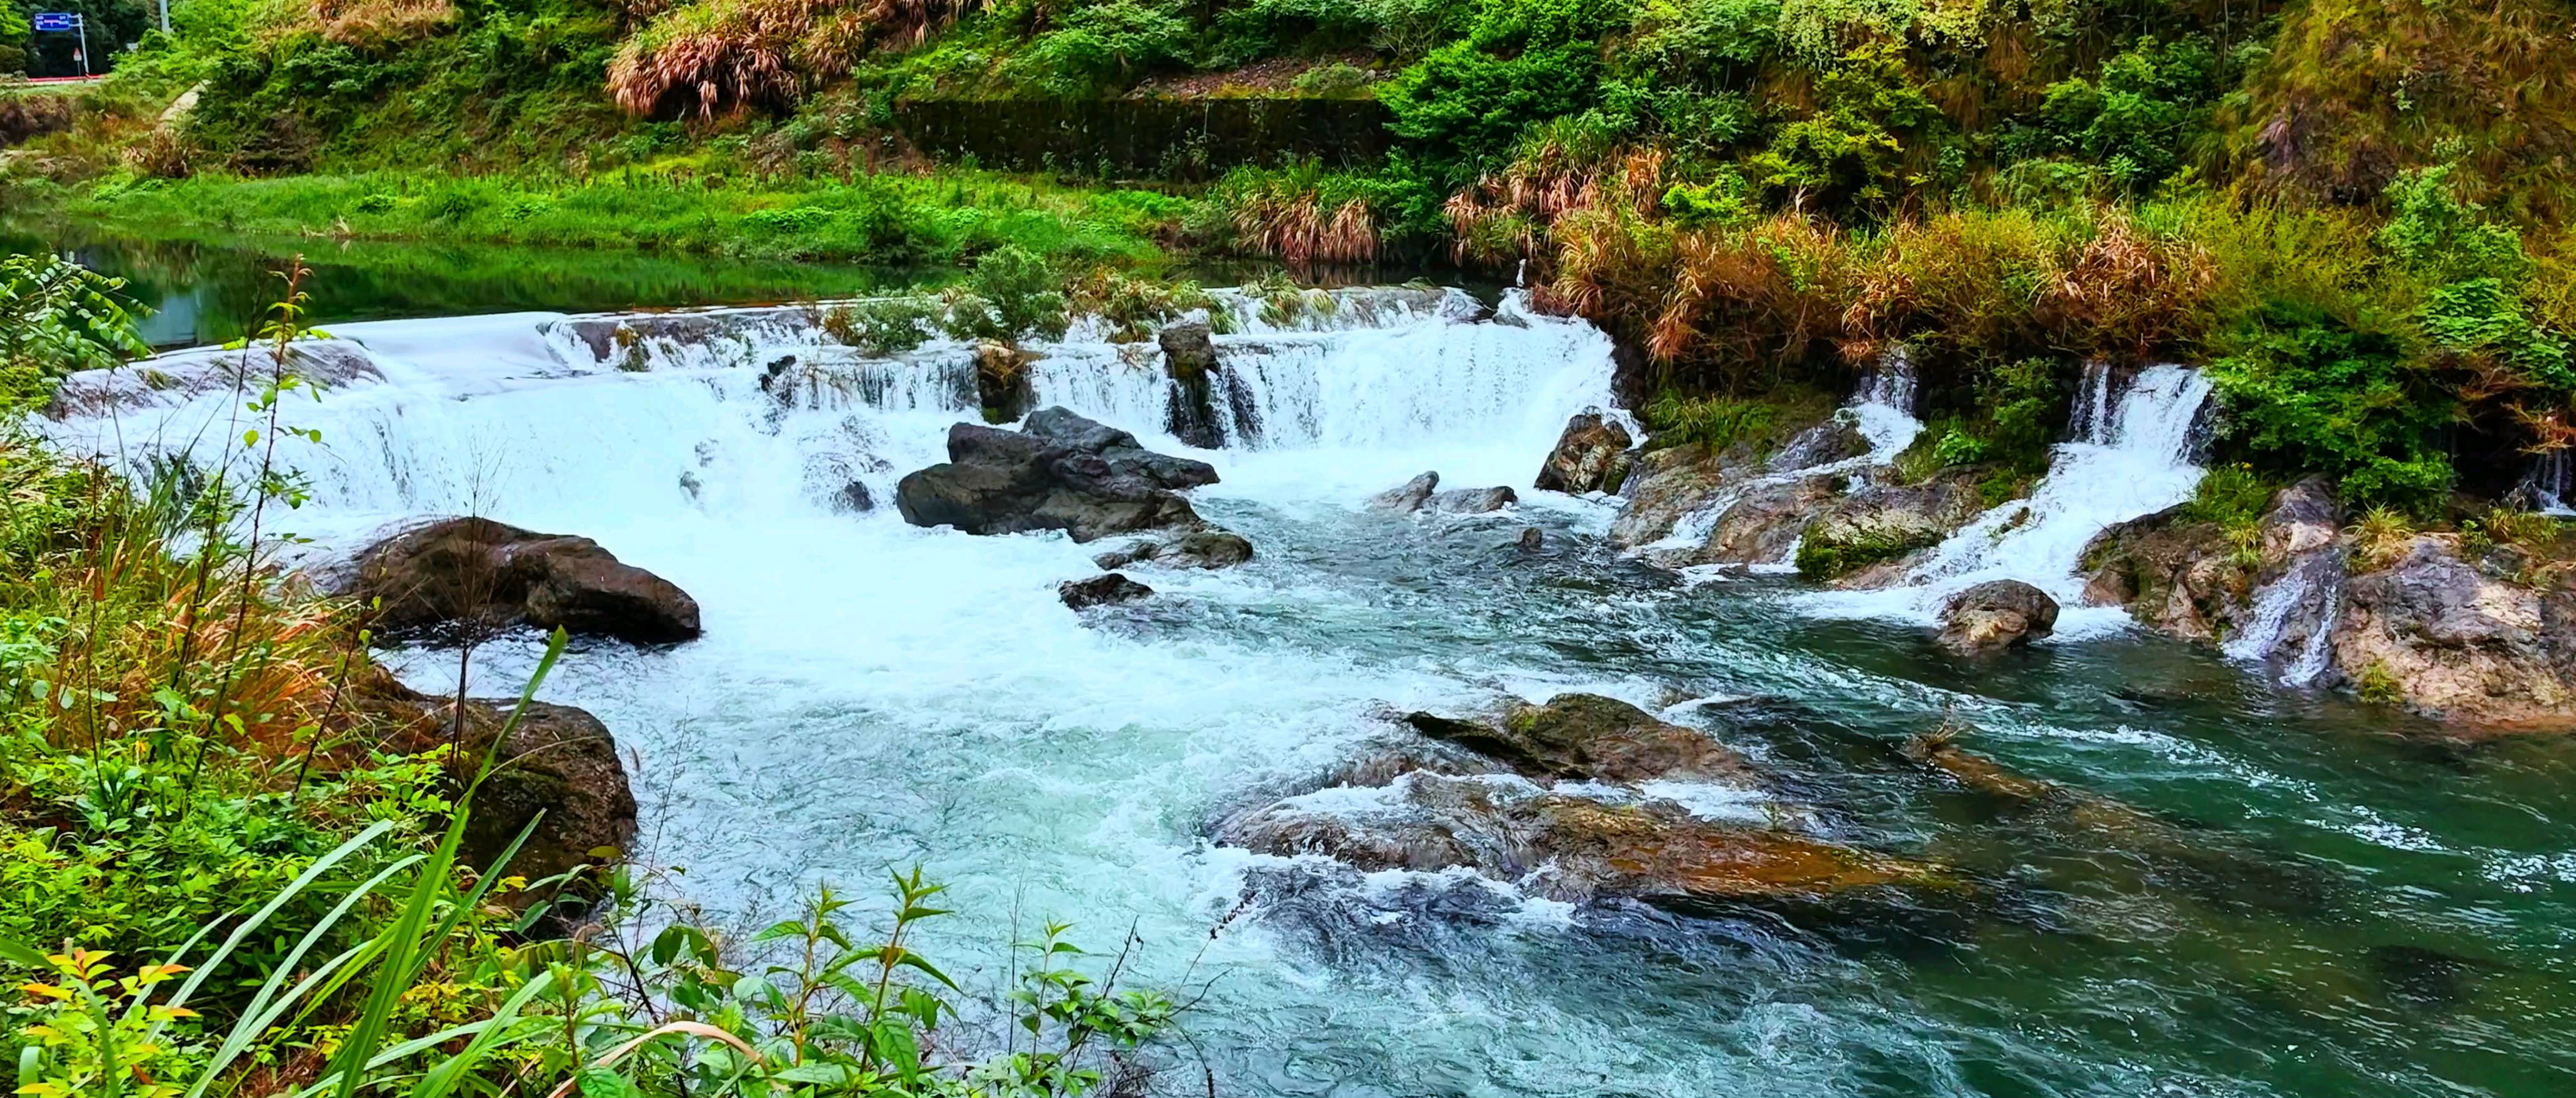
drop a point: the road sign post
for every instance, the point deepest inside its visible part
(67, 22)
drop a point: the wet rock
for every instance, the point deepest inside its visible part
(1996, 614)
(1189, 359)
(1209, 548)
(1836, 439)
(1866, 538)
(474, 573)
(2458, 642)
(559, 767)
(854, 498)
(1101, 590)
(1587, 736)
(1766, 524)
(1470, 501)
(1062, 472)
(1666, 484)
(1569, 848)
(1406, 498)
(1189, 349)
(1002, 380)
(1591, 456)
(1532, 540)
(169, 379)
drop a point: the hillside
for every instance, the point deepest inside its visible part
(2354, 210)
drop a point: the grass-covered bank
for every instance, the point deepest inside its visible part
(886, 220)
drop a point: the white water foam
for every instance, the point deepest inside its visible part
(2132, 455)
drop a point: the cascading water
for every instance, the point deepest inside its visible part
(1881, 409)
(2291, 630)
(2552, 478)
(871, 694)
(2131, 455)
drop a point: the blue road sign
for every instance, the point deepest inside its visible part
(57, 20)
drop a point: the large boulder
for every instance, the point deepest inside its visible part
(1868, 538)
(2185, 577)
(559, 767)
(1591, 456)
(1765, 525)
(1471, 501)
(465, 574)
(1835, 440)
(1060, 472)
(1996, 614)
(1405, 498)
(1588, 736)
(2483, 641)
(1575, 849)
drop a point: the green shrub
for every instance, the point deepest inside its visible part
(2312, 392)
(1523, 61)
(2136, 117)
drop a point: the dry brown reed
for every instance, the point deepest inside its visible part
(723, 57)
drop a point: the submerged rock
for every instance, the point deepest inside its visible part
(1405, 498)
(1571, 848)
(1532, 540)
(1061, 472)
(1101, 590)
(1209, 548)
(470, 573)
(1591, 456)
(1996, 614)
(1587, 736)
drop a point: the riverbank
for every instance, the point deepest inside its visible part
(889, 220)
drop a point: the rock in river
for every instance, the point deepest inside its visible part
(559, 767)
(1060, 472)
(1996, 614)
(466, 573)
(1591, 456)
(1405, 498)
(1101, 590)
(1589, 736)
(1570, 848)
(1209, 548)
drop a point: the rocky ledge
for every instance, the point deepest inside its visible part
(1548, 797)
(1058, 472)
(2458, 627)
(444, 576)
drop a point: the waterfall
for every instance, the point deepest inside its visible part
(1881, 409)
(2131, 454)
(2547, 485)
(583, 422)
(2297, 607)
(2130, 457)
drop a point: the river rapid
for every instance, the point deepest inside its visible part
(2311, 898)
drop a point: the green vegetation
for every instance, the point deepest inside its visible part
(1822, 558)
(237, 862)
(2370, 253)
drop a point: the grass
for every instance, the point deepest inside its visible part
(883, 220)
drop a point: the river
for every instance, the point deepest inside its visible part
(2311, 898)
